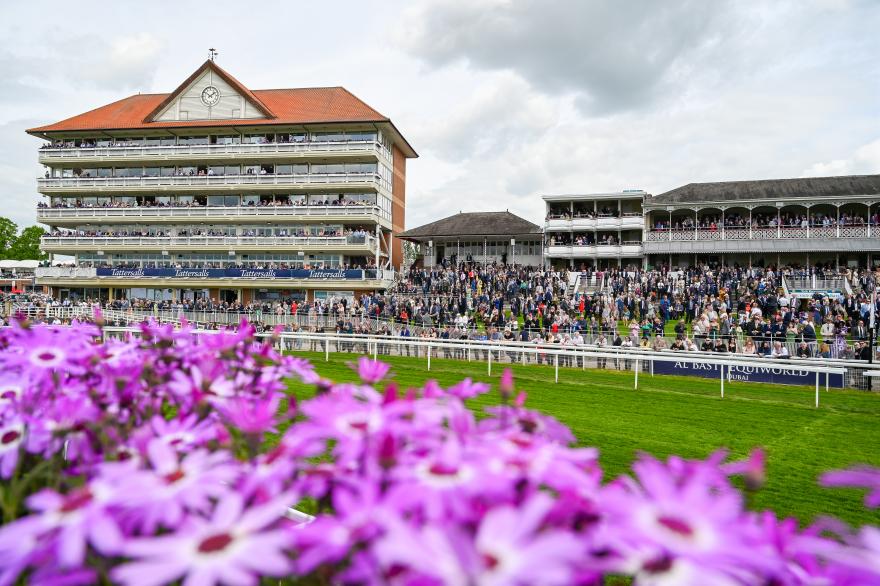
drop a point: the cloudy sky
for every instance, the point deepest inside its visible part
(504, 100)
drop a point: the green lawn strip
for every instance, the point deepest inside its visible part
(685, 416)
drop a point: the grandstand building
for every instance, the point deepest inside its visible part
(598, 230)
(832, 221)
(482, 237)
(218, 191)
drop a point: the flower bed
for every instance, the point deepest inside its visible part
(142, 462)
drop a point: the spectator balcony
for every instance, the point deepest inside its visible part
(626, 221)
(623, 250)
(763, 239)
(209, 183)
(215, 214)
(208, 152)
(346, 244)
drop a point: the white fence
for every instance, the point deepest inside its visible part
(580, 357)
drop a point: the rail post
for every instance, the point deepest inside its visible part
(817, 389)
(429, 357)
(490, 363)
(638, 365)
(326, 350)
(557, 367)
(722, 379)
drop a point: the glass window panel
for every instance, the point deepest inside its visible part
(328, 137)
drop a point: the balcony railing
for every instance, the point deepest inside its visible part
(628, 220)
(178, 151)
(213, 242)
(208, 180)
(347, 211)
(762, 233)
(584, 250)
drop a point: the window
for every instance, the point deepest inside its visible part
(361, 136)
(190, 140)
(328, 137)
(232, 139)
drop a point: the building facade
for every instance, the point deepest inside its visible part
(832, 221)
(220, 192)
(481, 237)
(597, 230)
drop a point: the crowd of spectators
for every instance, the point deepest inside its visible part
(190, 202)
(786, 220)
(354, 234)
(728, 310)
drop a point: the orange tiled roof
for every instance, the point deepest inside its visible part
(289, 106)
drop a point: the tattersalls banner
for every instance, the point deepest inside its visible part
(311, 274)
(775, 373)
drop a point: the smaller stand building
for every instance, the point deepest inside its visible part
(483, 237)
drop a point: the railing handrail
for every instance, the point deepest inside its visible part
(344, 209)
(303, 145)
(244, 179)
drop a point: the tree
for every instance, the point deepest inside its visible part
(8, 234)
(27, 245)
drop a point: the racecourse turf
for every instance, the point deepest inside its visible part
(685, 416)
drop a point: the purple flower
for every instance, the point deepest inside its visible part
(251, 416)
(11, 438)
(506, 384)
(510, 547)
(858, 477)
(235, 546)
(71, 522)
(371, 371)
(467, 389)
(175, 484)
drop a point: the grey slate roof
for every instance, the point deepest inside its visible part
(474, 224)
(807, 187)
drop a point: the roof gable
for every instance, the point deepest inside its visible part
(475, 224)
(234, 101)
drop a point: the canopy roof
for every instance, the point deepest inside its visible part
(470, 224)
(770, 189)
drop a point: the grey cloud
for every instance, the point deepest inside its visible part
(613, 55)
(85, 61)
(18, 172)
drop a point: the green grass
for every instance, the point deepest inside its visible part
(686, 416)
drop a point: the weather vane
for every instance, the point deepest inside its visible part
(213, 53)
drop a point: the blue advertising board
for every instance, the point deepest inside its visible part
(774, 373)
(194, 273)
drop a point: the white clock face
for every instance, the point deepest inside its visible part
(210, 96)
